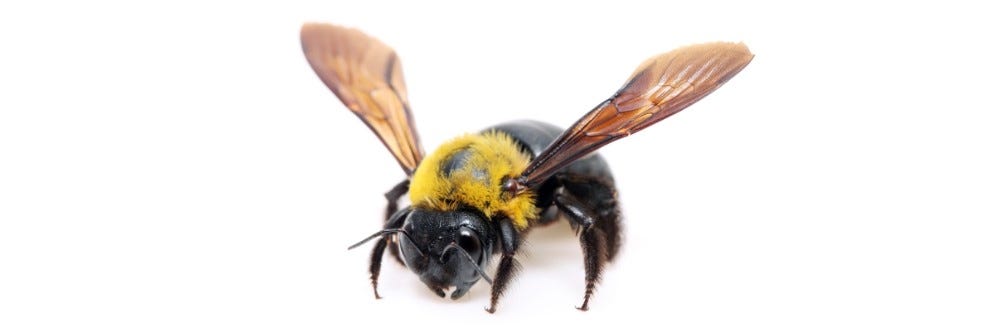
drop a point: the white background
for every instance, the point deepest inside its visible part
(177, 167)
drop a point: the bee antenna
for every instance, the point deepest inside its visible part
(386, 232)
(466, 254)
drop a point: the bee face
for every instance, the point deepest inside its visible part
(447, 249)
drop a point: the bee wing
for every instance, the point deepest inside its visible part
(660, 87)
(367, 77)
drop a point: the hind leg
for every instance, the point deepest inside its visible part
(590, 204)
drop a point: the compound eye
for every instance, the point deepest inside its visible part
(468, 240)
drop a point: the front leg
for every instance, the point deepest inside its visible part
(375, 266)
(509, 241)
(391, 207)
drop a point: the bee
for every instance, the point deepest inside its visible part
(477, 195)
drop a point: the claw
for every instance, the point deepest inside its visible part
(375, 289)
(584, 307)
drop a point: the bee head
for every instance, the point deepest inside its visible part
(447, 248)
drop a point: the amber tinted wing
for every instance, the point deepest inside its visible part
(659, 88)
(367, 77)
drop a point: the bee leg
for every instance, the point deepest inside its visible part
(375, 266)
(509, 241)
(591, 204)
(393, 205)
(393, 197)
(594, 202)
(592, 240)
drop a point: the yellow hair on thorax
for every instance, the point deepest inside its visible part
(488, 159)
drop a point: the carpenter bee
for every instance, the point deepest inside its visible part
(478, 194)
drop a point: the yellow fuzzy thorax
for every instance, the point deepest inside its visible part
(492, 158)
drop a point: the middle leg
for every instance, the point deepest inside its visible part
(591, 207)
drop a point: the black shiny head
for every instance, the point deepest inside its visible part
(447, 249)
